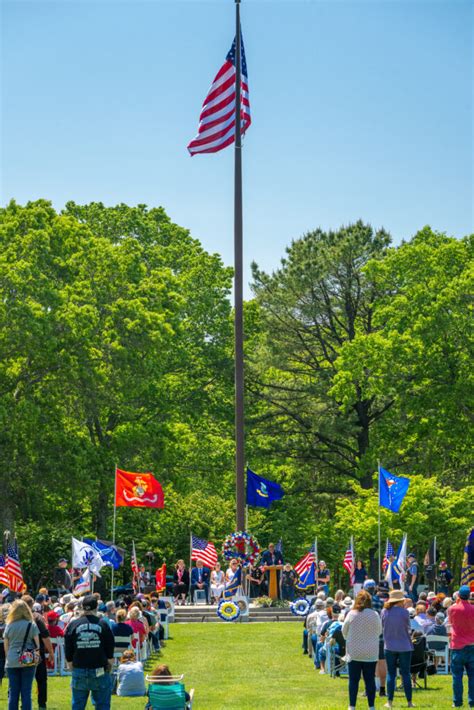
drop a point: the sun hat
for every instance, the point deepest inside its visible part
(347, 601)
(396, 595)
(66, 598)
(431, 595)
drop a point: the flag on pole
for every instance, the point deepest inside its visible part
(349, 561)
(305, 562)
(112, 556)
(4, 576)
(396, 570)
(135, 569)
(232, 586)
(261, 492)
(307, 578)
(84, 555)
(467, 570)
(429, 562)
(83, 583)
(392, 490)
(389, 552)
(204, 551)
(138, 490)
(13, 567)
(217, 120)
(160, 578)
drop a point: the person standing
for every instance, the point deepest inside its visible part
(62, 579)
(269, 558)
(397, 644)
(323, 577)
(445, 577)
(288, 582)
(20, 633)
(361, 629)
(461, 624)
(412, 577)
(89, 645)
(360, 575)
(46, 652)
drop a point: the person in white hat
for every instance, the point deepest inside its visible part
(397, 644)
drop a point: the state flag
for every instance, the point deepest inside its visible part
(261, 492)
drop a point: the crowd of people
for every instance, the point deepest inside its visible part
(380, 630)
(102, 642)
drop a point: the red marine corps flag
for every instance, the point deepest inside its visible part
(138, 490)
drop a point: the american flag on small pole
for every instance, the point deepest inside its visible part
(389, 552)
(13, 567)
(204, 551)
(4, 576)
(225, 116)
(305, 562)
(349, 561)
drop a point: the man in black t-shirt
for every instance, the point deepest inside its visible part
(89, 644)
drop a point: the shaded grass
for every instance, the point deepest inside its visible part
(256, 666)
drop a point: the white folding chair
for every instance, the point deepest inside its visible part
(169, 601)
(164, 622)
(432, 641)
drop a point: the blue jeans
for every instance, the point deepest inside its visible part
(367, 668)
(404, 661)
(463, 658)
(85, 681)
(20, 684)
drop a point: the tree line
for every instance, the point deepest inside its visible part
(116, 348)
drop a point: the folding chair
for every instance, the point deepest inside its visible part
(169, 601)
(433, 643)
(165, 622)
(168, 693)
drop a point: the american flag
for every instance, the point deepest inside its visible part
(13, 566)
(135, 569)
(217, 120)
(349, 561)
(389, 552)
(305, 563)
(204, 551)
(4, 576)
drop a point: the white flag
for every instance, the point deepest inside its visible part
(84, 555)
(83, 584)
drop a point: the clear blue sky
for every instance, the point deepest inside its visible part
(360, 110)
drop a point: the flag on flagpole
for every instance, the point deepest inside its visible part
(396, 570)
(349, 561)
(13, 567)
(138, 490)
(261, 492)
(307, 578)
(467, 570)
(305, 562)
(83, 583)
(84, 555)
(160, 578)
(4, 576)
(204, 551)
(429, 562)
(217, 120)
(135, 569)
(232, 587)
(392, 490)
(389, 552)
(111, 555)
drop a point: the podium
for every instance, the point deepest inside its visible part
(272, 579)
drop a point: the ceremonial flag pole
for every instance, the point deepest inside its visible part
(238, 287)
(380, 571)
(316, 565)
(113, 531)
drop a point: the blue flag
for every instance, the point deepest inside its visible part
(111, 555)
(308, 578)
(393, 490)
(232, 587)
(261, 492)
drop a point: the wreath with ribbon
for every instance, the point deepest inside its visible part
(237, 544)
(300, 607)
(228, 611)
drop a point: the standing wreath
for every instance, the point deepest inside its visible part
(237, 544)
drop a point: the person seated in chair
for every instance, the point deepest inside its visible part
(130, 676)
(162, 671)
(199, 579)
(418, 656)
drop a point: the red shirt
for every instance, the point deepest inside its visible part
(55, 631)
(461, 619)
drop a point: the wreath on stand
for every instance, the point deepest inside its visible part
(241, 546)
(228, 611)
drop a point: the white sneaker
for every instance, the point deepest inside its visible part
(321, 672)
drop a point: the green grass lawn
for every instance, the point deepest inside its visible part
(256, 666)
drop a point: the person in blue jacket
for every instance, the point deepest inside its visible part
(200, 579)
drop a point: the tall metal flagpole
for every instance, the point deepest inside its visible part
(380, 543)
(238, 288)
(113, 531)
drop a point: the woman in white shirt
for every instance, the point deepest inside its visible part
(217, 583)
(361, 629)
